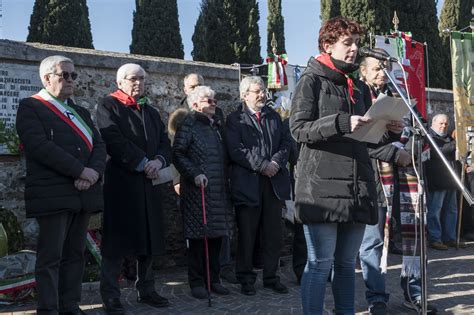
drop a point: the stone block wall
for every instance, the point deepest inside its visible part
(97, 71)
(97, 74)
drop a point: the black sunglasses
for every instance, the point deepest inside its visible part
(65, 75)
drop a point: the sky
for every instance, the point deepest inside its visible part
(111, 23)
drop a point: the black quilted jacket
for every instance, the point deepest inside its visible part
(334, 178)
(198, 148)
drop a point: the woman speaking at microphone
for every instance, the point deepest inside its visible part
(335, 189)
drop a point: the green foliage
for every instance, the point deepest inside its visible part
(156, 29)
(251, 39)
(61, 22)
(15, 236)
(212, 36)
(9, 138)
(227, 31)
(373, 15)
(330, 9)
(420, 18)
(276, 25)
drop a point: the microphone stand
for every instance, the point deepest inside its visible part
(420, 133)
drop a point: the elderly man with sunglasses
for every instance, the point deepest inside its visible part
(65, 157)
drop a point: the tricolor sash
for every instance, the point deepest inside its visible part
(68, 115)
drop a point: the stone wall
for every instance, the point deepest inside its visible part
(97, 70)
(164, 86)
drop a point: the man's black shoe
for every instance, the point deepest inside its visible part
(248, 289)
(75, 312)
(153, 299)
(113, 306)
(278, 287)
(416, 306)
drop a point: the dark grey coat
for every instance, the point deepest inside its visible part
(251, 149)
(55, 157)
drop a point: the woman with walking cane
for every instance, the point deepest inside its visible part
(199, 155)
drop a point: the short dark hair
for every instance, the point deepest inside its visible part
(336, 27)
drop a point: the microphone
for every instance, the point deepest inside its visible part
(367, 52)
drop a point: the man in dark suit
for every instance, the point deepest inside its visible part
(258, 148)
(65, 158)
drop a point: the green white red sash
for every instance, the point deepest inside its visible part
(68, 115)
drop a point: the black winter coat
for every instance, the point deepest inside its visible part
(334, 178)
(250, 154)
(199, 148)
(134, 222)
(437, 174)
(55, 157)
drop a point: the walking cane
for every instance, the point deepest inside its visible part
(461, 199)
(206, 246)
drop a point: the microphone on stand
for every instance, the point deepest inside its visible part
(367, 52)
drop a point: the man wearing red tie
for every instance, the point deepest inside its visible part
(258, 148)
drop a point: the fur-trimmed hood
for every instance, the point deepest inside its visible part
(176, 119)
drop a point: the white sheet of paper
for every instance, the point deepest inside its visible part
(384, 109)
(165, 175)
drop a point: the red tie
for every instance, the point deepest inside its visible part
(257, 114)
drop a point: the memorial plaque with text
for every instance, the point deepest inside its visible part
(16, 82)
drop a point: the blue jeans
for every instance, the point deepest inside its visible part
(413, 290)
(442, 215)
(330, 244)
(370, 254)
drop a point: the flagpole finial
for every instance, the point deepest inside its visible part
(274, 44)
(395, 21)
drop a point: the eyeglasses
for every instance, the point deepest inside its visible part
(210, 101)
(258, 92)
(135, 79)
(65, 75)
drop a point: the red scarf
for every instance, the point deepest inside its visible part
(125, 99)
(325, 59)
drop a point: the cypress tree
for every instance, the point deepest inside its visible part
(276, 25)
(156, 29)
(227, 31)
(455, 14)
(373, 15)
(330, 9)
(64, 22)
(212, 38)
(252, 38)
(420, 18)
(243, 17)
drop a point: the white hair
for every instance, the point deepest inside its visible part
(128, 68)
(199, 92)
(437, 116)
(48, 65)
(247, 82)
